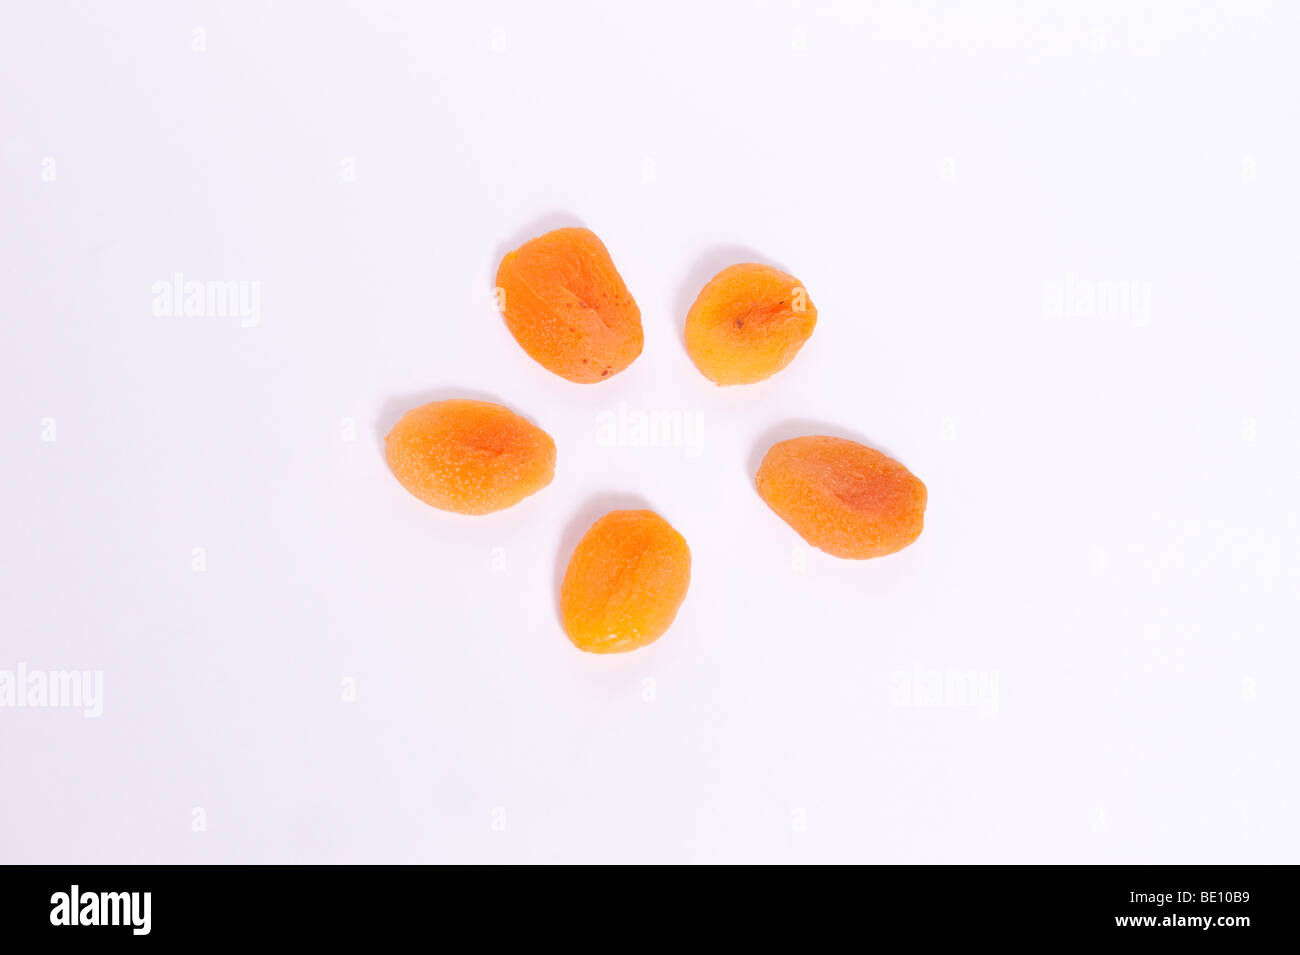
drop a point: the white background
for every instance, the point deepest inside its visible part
(1113, 532)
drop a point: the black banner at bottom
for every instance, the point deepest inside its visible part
(90, 904)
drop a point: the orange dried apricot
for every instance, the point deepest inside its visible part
(471, 457)
(625, 581)
(568, 307)
(843, 497)
(748, 323)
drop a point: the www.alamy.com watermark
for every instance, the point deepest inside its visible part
(924, 688)
(1098, 298)
(629, 427)
(53, 689)
(179, 297)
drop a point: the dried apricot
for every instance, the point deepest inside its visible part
(748, 323)
(472, 457)
(625, 581)
(843, 497)
(568, 307)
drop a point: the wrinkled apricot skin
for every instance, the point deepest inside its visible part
(471, 457)
(843, 497)
(625, 582)
(748, 323)
(568, 307)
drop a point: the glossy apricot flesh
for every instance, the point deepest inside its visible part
(843, 497)
(625, 582)
(748, 323)
(471, 457)
(568, 307)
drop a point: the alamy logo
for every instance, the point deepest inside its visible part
(646, 428)
(182, 298)
(102, 908)
(1086, 298)
(946, 689)
(59, 689)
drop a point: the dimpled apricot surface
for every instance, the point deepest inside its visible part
(472, 457)
(566, 304)
(843, 497)
(748, 323)
(625, 581)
